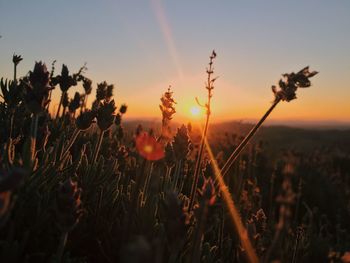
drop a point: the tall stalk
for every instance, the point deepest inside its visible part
(97, 147)
(209, 87)
(15, 59)
(243, 144)
(286, 92)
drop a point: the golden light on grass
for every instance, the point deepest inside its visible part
(233, 211)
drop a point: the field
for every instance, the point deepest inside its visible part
(84, 184)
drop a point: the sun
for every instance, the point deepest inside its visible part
(196, 111)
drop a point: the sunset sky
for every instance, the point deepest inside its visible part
(144, 46)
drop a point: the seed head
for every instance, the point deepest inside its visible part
(101, 91)
(105, 115)
(123, 108)
(65, 80)
(37, 89)
(16, 59)
(181, 144)
(87, 85)
(291, 82)
(85, 120)
(75, 103)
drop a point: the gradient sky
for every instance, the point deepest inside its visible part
(145, 46)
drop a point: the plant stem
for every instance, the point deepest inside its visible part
(70, 143)
(11, 123)
(61, 245)
(97, 147)
(198, 239)
(134, 198)
(245, 141)
(15, 73)
(33, 133)
(59, 105)
(197, 167)
(209, 87)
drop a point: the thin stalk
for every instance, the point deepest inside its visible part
(61, 245)
(15, 73)
(209, 87)
(146, 184)
(166, 177)
(198, 164)
(198, 239)
(244, 143)
(296, 245)
(97, 147)
(70, 143)
(13, 111)
(11, 122)
(134, 198)
(60, 104)
(33, 133)
(178, 169)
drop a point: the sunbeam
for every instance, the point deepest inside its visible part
(236, 219)
(167, 34)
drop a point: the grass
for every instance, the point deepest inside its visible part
(86, 186)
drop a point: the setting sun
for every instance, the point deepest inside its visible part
(196, 111)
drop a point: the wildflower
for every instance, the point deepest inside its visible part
(75, 103)
(16, 59)
(168, 110)
(291, 82)
(38, 88)
(123, 108)
(87, 85)
(149, 148)
(346, 257)
(68, 205)
(181, 143)
(65, 80)
(105, 115)
(85, 120)
(11, 93)
(109, 92)
(101, 91)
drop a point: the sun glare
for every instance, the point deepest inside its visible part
(196, 111)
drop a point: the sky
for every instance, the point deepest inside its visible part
(142, 47)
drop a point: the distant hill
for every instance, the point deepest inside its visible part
(275, 137)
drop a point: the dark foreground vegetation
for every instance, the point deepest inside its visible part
(80, 185)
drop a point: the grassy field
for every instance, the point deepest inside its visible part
(86, 185)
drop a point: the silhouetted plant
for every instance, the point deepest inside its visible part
(207, 106)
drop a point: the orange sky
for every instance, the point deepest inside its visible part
(146, 46)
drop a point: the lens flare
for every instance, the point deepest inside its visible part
(233, 212)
